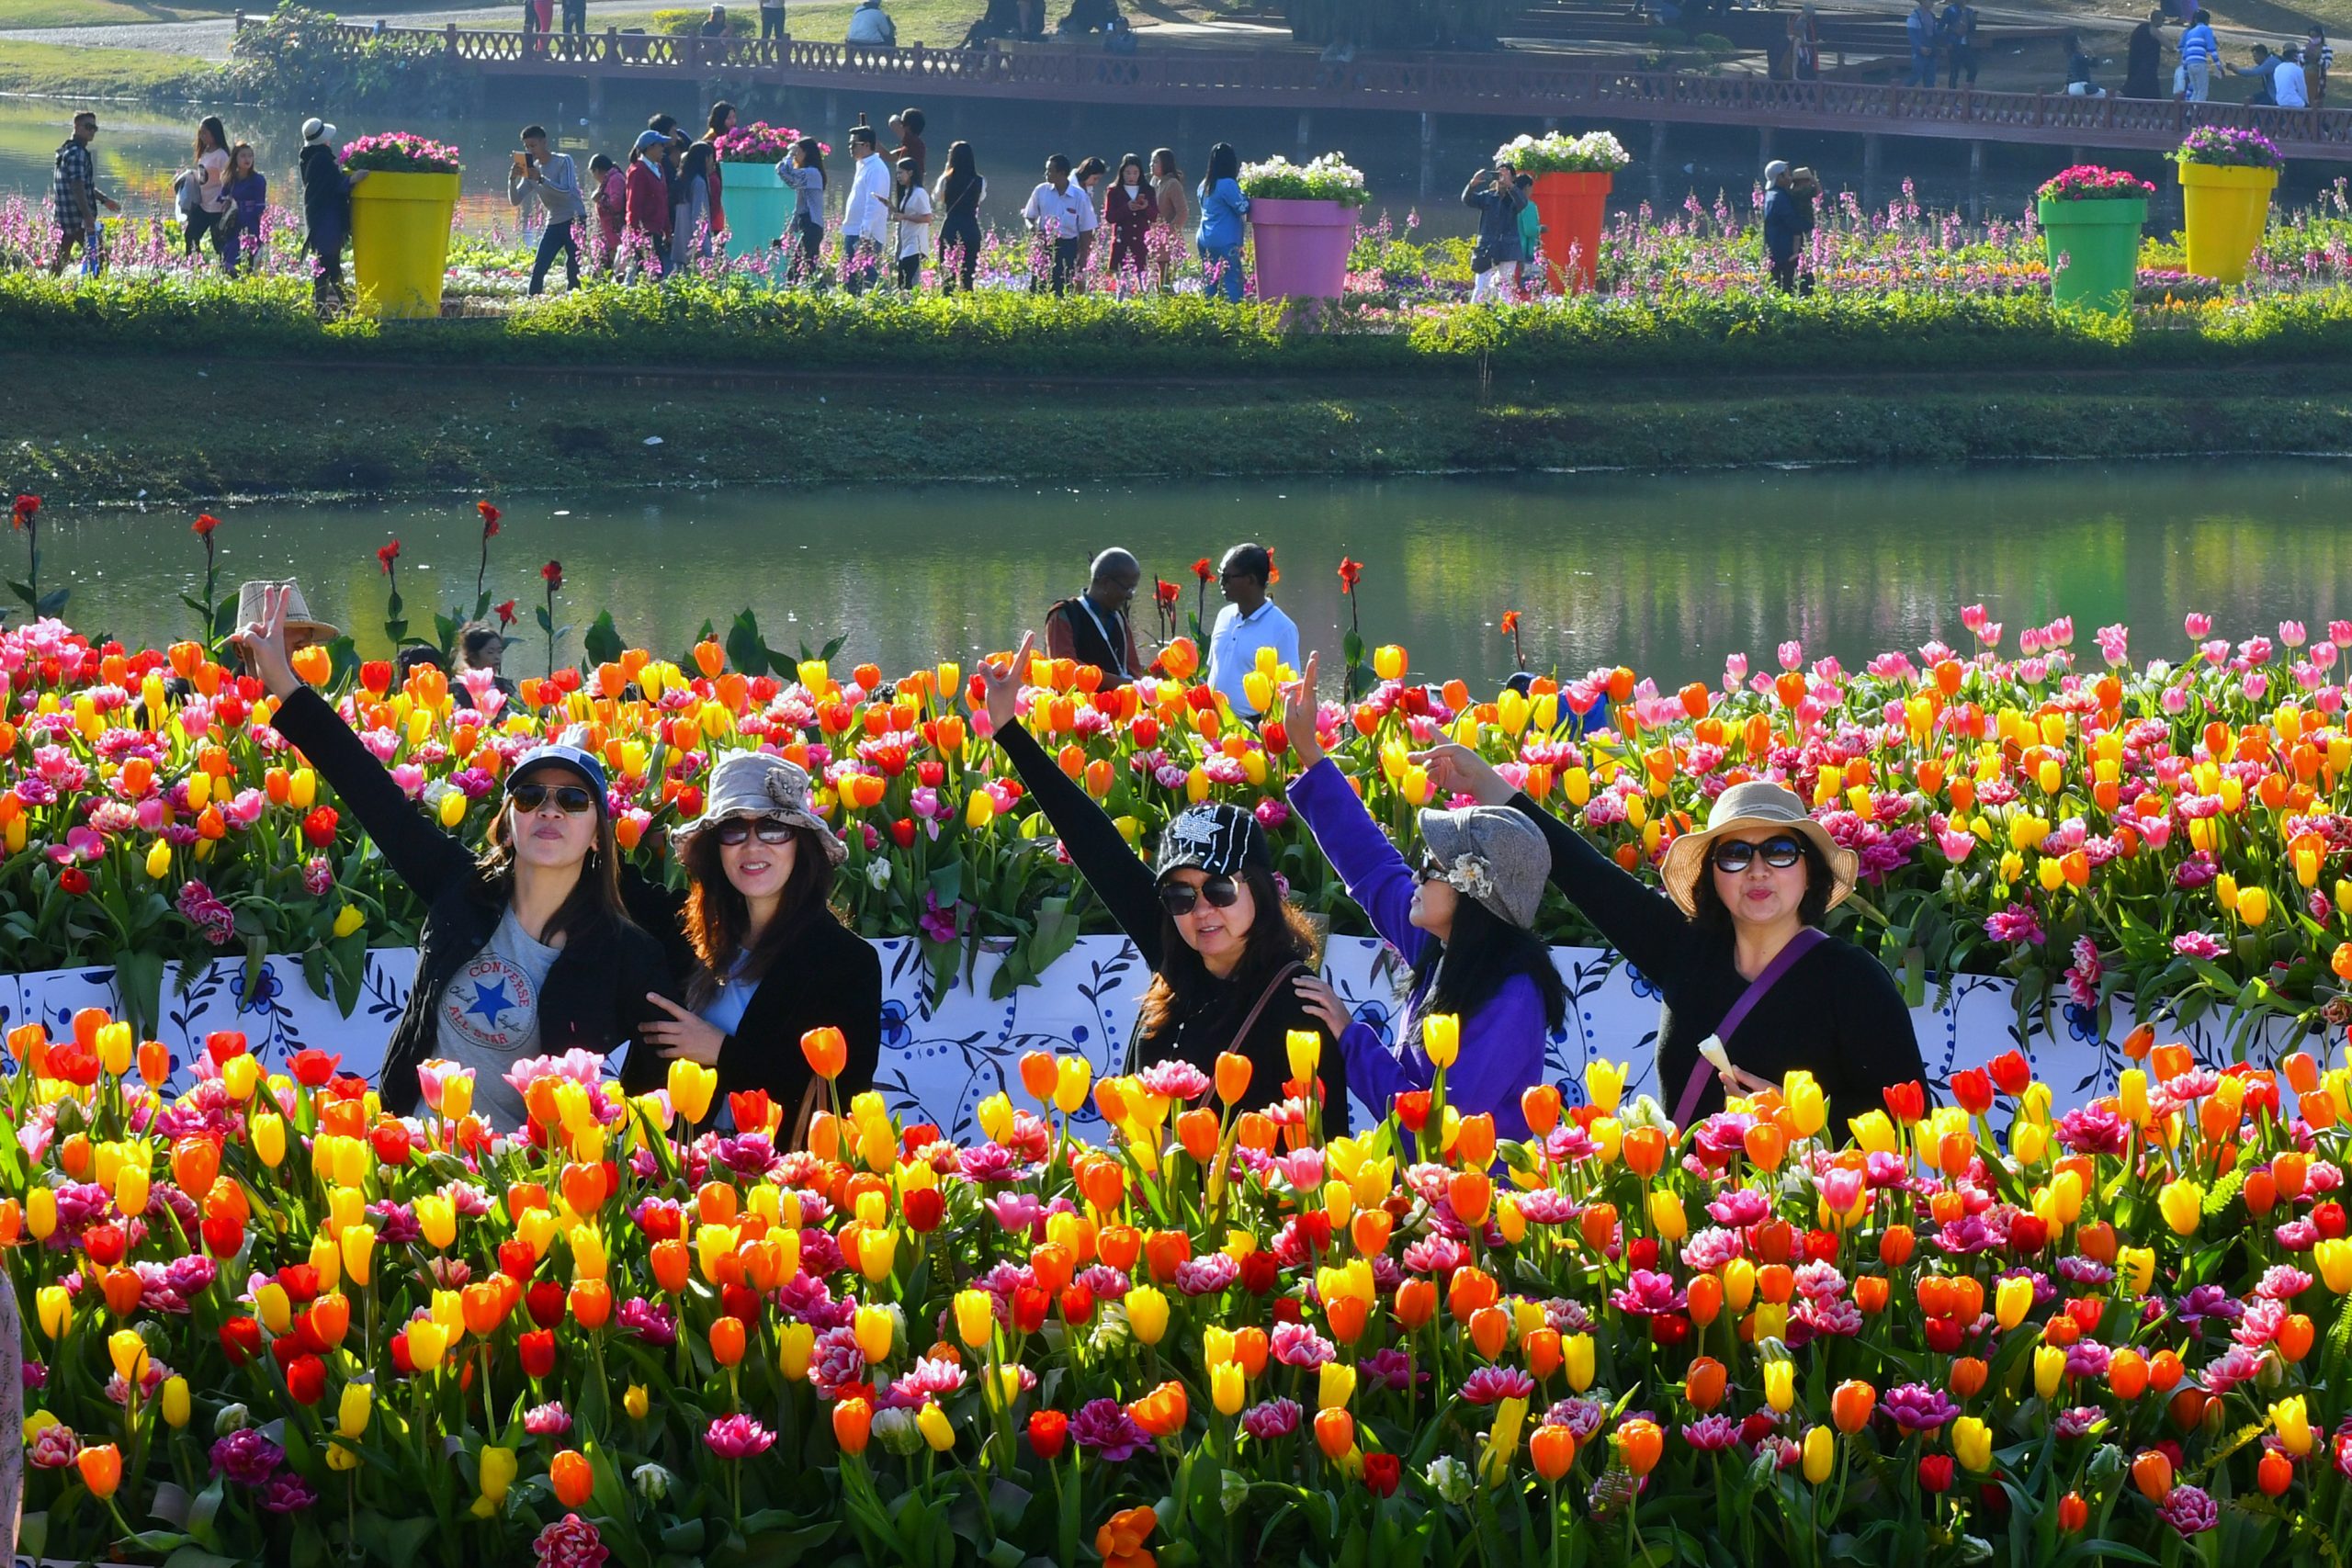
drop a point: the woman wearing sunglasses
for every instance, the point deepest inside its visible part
(1749, 893)
(526, 950)
(772, 960)
(1462, 925)
(1232, 963)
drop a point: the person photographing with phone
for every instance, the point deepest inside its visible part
(549, 180)
(1750, 986)
(1494, 260)
(525, 949)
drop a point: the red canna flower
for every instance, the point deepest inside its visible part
(1351, 573)
(1165, 591)
(490, 515)
(505, 614)
(22, 513)
(387, 555)
(1510, 622)
(204, 523)
(1201, 568)
(1048, 1431)
(1972, 1090)
(553, 573)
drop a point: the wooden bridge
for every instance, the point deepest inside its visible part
(1525, 87)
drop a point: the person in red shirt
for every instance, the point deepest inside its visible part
(647, 216)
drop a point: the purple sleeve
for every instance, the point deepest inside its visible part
(1376, 1074)
(1502, 1056)
(1376, 875)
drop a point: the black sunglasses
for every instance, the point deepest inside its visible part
(1429, 870)
(1184, 898)
(1737, 854)
(572, 799)
(738, 830)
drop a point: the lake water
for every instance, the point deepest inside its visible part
(1667, 574)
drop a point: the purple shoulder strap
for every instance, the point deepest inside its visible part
(1797, 946)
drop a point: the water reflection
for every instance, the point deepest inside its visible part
(1667, 573)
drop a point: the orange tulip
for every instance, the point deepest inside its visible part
(1552, 1450)
(1766, 1144)
(1475, 1145)
(671, 1261)
(2295, 1336)
(1643, 1443)
(1233, 1073)
(1489, 1331)
(1370, 1231)
(826, 1051)
(1166, 1250)
(2152, 1474)
(1347, 1317)
(101, 1468)
(1335, 1432)
(1249, 1349)
(1416, 1303)
(1706, 1299)
(573, 1476)
(1542, 1348)
(1702, 1385)
(1776, 1282)
(1968, 1374)
(484, 1307)
(1471, 1193)
(1643, 1150)
(1163, 1411)
(2127, 1373)
(1850, 1405)
(1894, 1246)
(591, 1303)
(852, 1424)
(1599, 1225)
(1540, 1107)
(1871, 1293)
(2166, 1370)
(1038, 1075)
(1468, 1290)
(727, 1341)
(1196, 1130)
(1120, 1247)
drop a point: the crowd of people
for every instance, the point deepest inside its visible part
(545, 939)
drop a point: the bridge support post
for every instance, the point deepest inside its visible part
(595, 97)
(1183, 135)
(1977, 182)
(1305, 130)
(1763, 146)
(1428, 153)
(833, 112)
(1658, 161)
(1873, 145)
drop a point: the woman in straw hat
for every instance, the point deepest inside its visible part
(772, 960)
(526, 950)
(1749, 893)
(1231, 961)
(1462, 923)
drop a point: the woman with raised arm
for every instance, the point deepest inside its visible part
(1232, 963)
(526, 950)
(1749, 985)
(773, 960)
(1461, 921)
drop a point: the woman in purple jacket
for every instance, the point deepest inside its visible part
(1461, 924)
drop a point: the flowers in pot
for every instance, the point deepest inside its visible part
(2090, 223)
(758, 142)
(759, 203)
(1305, 219)
(2226, 178)
(400, 152)
(1573, 177)
(401, 212)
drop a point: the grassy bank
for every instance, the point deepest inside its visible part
(99, 428)
(72, 70)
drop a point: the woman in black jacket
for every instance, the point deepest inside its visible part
(526, 950)
(772, 961)
(1745, 894)
(1232, 963)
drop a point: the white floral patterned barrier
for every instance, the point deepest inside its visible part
(941, 1061)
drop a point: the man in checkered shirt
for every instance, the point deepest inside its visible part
(75, 190)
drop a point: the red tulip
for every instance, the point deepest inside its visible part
(1934, 1472)
(538, 1351)
(241, 1340)
(390, 1138)
(1972, 1090)
(750, 1109)
(306, 1379)
(924, 1209)
(2010, 1073)
(545, 1302)
(1048, 1431)
(1381, 1474)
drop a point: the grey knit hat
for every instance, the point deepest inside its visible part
(757, 784)
(1492, 855)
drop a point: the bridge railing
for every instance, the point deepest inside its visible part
(1435, 84)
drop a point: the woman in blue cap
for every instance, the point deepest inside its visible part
(1231, 962)
(526, 950)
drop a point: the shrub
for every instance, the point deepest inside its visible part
(742, 22)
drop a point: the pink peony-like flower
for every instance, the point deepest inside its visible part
(53, 1447)
(1492, 1385)
(736, 1437)
(570, 1542)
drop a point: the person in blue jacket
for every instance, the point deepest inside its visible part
(1784, 226)
(1463, 925)
(1222, 207)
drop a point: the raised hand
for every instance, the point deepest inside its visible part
(263, 642)
(1001, 684)
(1454, 768)
(1299, 716)
(683, 1034)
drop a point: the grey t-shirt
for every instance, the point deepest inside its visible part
(488, 1017)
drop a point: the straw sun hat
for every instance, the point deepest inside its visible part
(1756, 803)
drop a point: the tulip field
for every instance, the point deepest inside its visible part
(266, 1321)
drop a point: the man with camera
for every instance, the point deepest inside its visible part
(549, 180)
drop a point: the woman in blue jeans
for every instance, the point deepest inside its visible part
(1223, 206)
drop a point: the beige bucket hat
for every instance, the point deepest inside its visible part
(1757, 804)
(302, 627)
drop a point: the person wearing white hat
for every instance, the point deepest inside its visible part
(1461, 923)
(1750, 988)
(526, 950)
(326, 207)
(772, 960)
(1231, 961)
(302, 629)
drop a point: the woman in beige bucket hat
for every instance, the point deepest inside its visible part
(1746, 900)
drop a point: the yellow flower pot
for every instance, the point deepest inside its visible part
(400, 240)
(2228, 208)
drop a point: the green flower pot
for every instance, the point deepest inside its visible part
(2094, 248)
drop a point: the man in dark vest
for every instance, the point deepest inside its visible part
(1094, 629)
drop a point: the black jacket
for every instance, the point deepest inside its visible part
(595, 995)
(828, 975)
(1209, 1020)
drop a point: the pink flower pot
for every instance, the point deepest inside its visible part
(1302, 247)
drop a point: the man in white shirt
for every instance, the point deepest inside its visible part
(1249, 621)
(1062, 213)
(866, 220)
(2288, 87)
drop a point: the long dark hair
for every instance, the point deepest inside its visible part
(1481, 955)
(963, 176)
(1713, 917)
(594, 898)
(718, 917)
(1278, 934)
(1225, 163)
(812, 157)
(210, 126)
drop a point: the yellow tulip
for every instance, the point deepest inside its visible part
(691, 1087)
(1820, 1452)
(1739, 1284)
(272, 1305)
(130, 1189)
(975, 1317)
(240, 1076)
(1808, 1107)
(1667, 1216)
(426, 1340)
(936, 1430)
(2029, 1141)
(2137, 1266)
(359, 1254)
(352, 1411)
(2335, 1259)
(2049, 1369)
(175, 1402)
(1604, 1085)
(40, 1211)
(2254, 904)
(2012, 1299)
(1577, 1359)
(877, 1255)
(875, 1328)
(1148, 1314)
(2182, 1204)
(637, 1401)
(1972, 1442)
(499, 1468)
(55, 1309)
(268, 1138)
(1228, 1388)
(1441, 1038)
(129, 1353)
(348, 919)
(796, 1347)
(1388, 662)
(2293, 1423)
(1306, 1049)
(438, 1218)
(1780, 1384)
(159, 859)
(1335, 1384)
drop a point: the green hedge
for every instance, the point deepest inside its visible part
(739, 323)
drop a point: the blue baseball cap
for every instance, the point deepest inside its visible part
(555, 754)
(650, 139)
